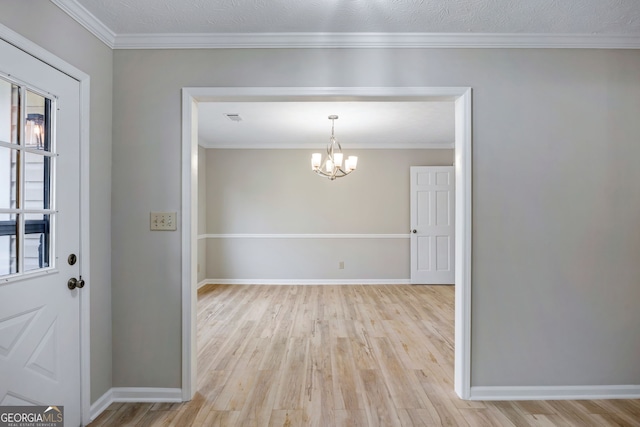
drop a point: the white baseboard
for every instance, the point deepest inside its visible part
(202, 283)
(100, 405)
(556, 393)
(305, 282)
(146, 394)
(304, 236)
(134, 394)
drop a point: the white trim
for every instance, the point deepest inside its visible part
(133, 394)
(556, 392)
(101, 404)
(462, 98)
(85, 18)
(47, 57)
(336, 94)
(302, 236)
(189, 242)
(12, 278)
(85, 244)
(203, 282)
(308, 40)
(370, 40)
(388, 145)
(42, 54)
(146, 394)
(305, 282)
(463, 165)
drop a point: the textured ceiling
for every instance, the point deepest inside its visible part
(620, 17)
(306, 124)
(120, 24)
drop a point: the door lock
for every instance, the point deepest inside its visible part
(75, 283)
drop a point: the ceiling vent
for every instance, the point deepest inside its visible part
(234, 117)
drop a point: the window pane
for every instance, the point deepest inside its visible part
(36, 241)
(37, 181)
(8, 178)
(8, 250)
(37, 126)
(9, 95)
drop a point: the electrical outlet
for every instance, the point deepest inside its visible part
(163, 221)
(341, 265)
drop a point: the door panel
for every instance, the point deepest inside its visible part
(432, 223)
(39, 228)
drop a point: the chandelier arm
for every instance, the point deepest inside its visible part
(333, 175)
(323, 173)
(320, 171)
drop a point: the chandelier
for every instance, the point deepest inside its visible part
(332, 167)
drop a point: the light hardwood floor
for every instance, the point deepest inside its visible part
(340, 356)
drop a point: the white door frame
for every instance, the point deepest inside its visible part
(47, 57)
(462, 98)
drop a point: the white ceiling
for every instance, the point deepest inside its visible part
(306, 124)
(127, 24)
(338, 16)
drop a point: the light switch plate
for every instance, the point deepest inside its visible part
(163, 221)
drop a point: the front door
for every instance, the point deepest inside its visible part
(39, 230)
(432, 225)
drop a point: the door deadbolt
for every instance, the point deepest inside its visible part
(72, 259)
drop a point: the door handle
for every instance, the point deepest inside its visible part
(75, 283)
(414, 231)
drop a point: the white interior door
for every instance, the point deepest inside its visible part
(432, 225)
(39, 229)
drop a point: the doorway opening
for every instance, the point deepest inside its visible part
(461, 97)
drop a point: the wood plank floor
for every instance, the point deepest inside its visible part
(340, 356)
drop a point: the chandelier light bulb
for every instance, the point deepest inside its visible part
(353, 162)
(316, 161)
(337, 159)
(329, 166)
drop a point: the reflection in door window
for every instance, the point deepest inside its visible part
(26, 170)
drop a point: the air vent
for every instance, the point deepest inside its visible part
(234, 117)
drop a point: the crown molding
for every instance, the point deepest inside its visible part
(341, 40)
(373, 40)
(85, 18)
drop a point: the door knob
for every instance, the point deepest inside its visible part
(75, 283)
(414, 231)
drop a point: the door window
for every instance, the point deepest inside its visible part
(27, 161)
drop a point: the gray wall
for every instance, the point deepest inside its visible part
(555, 204)
(556, 200)
(46, 25)
(275, 192)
